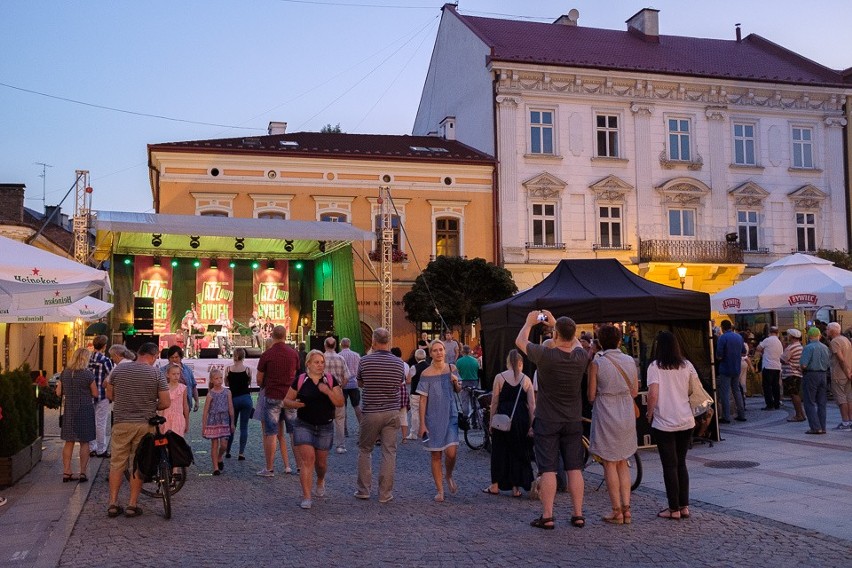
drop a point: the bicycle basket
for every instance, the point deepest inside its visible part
(147, 457)
(179, 450)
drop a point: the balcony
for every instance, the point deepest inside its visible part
(599, 246)
(706, 252)
(546, 246)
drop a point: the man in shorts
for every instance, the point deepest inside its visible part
(137, 390)
(276, 370)
(558, 424)
(841, 370)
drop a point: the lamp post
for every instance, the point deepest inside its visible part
(681, 272)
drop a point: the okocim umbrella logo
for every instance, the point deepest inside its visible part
(35, 278)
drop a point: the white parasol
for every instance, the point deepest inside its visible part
(86, 309)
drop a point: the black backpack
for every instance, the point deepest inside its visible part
(179, 450)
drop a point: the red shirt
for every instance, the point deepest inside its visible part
(278, 365)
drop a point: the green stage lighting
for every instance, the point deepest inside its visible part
(196, 263)
(174, 262)
(232, 264)
(255, 265)
(127, 260)
(298, 266)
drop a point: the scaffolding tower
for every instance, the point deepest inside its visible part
(82, 216)
(386, 291)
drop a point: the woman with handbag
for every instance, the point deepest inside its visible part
(439, 408)
(76, 386)
(512, 405)
(613, 384)
(671, 417)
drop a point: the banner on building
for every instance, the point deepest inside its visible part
(270, 294)
(151, 281)
(214, 292)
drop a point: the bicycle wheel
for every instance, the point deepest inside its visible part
(474, 437)
(152, 488)
(634, 463)
(164, 481)
(594, 467)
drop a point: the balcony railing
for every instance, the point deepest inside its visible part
(598, 246)
(545, 245)
(690, 251)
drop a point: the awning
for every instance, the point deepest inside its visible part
(86, 309)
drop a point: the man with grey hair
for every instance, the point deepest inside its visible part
(413, 379)
(336, 367)
(351, 391)
(771, 349)
(841, 372)
(380, 375)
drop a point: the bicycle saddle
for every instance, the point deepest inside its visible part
(156, 420)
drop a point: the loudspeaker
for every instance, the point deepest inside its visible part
(323, 316)
(253, 353)
(134, 342)
(143, 314)
(209, 353)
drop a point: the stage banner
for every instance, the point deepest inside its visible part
(214, 291)
(270, 294)
(151, 281)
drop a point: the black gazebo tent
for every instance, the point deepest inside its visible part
(596, 291)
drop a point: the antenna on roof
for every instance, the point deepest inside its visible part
(43, 176)
(739, 33)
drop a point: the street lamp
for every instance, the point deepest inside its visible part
(681, 272)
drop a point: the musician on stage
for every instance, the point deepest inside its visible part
(223, 336)
(255, 324)
(266, 329)
(187, 326)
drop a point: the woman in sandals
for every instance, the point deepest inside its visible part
(671, 420)
(77, 385)
(511, 452)
(439, 426)
(613, 384)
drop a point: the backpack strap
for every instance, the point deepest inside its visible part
(304, 376)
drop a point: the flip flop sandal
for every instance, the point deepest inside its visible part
(83, 478)
(114, 510)
(578, 521)
(488, 491)
(132, 512)
(546, 523)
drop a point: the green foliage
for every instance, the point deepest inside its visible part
(460, 287)
(19, 425)
(840, 258)
(329, 129)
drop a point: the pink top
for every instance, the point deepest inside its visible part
(174, 413)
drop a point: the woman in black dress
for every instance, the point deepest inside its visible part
(77, 386)
(511, 452)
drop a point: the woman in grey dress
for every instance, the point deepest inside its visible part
(613, 384)
(439, 426)
(77, 385)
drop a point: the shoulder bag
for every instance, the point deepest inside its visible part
(462, 418)
(626, 380)
(501, 421)
(699, 400)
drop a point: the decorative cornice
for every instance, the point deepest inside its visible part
(506, 101)
(807, 197)
(716, 113)
(683, 191)
(611, 188)
(749, 194)
(642, 109)
(544, 186)
(834, 121)
(695, 164)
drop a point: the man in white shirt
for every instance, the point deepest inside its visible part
(771, 350)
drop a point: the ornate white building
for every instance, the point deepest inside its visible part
(657, 150)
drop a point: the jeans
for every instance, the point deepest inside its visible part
(727, 384)
(815, 397)
(672, 447)
(242, 413)
(772, 387)
(378, 426)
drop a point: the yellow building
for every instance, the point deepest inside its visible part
(441, 193)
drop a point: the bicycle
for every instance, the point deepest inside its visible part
(164, 483)
(478, 436)
(594, 464)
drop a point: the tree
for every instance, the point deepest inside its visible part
(840, 258)
(459, 288)
(329, 129)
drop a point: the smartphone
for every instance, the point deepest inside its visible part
(425, 436)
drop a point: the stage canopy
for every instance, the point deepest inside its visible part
(123, 232)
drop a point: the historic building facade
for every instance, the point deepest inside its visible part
(664, 152)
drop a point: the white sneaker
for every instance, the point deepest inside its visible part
(306, 504)
(847, 427)
(840, 426)
(266, 473)
(387, 499)
(341, 450)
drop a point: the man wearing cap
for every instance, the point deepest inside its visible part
(791, 373)
(841, 369)
(814, 362)
(771, 349)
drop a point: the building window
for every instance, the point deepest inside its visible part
(678, 129)
(744, 154)
(541, 132)
(606, 131)
(544, 224)
(447, 237)
(334, 217)
(806, 232)
(272, 215)
(803, 147)
(394, 225)
(610, 226)
(681, 222)
(213, 213)
(747, 226)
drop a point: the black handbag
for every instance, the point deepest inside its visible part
(179, 450)
(463, 419)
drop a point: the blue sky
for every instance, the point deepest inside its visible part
(360, 63)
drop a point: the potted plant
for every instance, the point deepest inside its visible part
(20, 446)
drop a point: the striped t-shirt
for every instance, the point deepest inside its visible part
(380, 374)
(135, 391)
(790, 360)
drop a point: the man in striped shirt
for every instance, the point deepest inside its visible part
(100, 365)
(791, 373)
(380, 375)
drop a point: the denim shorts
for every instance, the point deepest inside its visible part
(274, 414)
(320, 437)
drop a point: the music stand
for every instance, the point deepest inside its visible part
(214, 328)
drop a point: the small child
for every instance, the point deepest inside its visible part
(218, 419)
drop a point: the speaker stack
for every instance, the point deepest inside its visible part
(323, 317)
(143, 314)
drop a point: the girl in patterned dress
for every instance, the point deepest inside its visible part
(218, 419)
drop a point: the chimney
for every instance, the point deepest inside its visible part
(56, 212)
(646, 24)
(739, 33)
(569, 19)
(277, 127)
(12, 202)
(448, 128)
